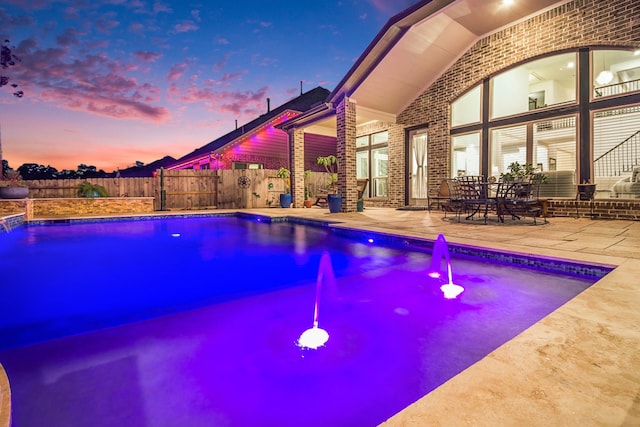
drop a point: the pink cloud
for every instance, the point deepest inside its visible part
(104, 24)
(177, 71)
(159, 6)
(263, 61)
(69, 37)
(222, 63)
(92, 83)
(236, 102)
(229, 77)
(185, 26)
(136, 27)
(146, 56)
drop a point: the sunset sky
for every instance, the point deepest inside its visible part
(110, 82)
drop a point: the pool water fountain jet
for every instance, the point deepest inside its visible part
(316, 337)
(440, 251)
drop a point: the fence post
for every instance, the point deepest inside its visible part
(163, 193)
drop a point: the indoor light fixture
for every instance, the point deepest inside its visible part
(604, 77)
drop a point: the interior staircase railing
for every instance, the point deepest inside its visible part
(620, 159)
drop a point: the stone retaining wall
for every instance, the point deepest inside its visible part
(74, 207)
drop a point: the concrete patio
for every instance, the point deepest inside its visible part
(579, 366)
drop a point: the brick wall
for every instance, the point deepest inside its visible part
(346, 153)
(579, 23)
(600, 209)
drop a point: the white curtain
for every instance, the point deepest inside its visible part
(420, 166)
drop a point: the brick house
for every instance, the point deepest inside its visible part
(466, 87)
(258, 144)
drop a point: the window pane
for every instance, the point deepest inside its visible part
(554, 152)
(466, 109)
(615, 72)
(379, 170)
(537, 84)
(362, 164)
(362, 141)
(508, 145)
(380, 187)
(616, 150)
(380, 138)
(466, 155)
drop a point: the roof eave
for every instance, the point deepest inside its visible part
(309, 117)
(384, 41)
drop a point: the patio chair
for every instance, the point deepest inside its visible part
(519, 199)
(454, 203)
(474, 196)
(439, 197)
(361, 186)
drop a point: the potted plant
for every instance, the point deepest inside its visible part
(517, 172)
(89, 190)
(525, 174)
(13, 186)
(307, 189)
(330, 164)
(285, 198)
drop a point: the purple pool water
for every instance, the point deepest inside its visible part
(194, 322)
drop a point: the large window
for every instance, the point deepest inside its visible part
(508, 145)
(543, 83)
(615, 72)
(466, 154)
(616, 152)
(372, 161)
(535, 118)
(466, 109)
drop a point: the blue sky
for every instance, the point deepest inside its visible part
(110, 82)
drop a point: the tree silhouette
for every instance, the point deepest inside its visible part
(7, 59)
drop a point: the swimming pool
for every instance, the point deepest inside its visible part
(194, 322)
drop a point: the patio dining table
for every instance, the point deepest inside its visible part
(511, 198)
(477, 196)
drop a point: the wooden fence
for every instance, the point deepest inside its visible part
(116, 187)
(187, 189)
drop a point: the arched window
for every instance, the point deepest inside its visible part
(535, 116)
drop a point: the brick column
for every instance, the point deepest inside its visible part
(346, 153)
(296, 162)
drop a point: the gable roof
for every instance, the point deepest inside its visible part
(412, 50)
(297, 105)
(418, 45)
